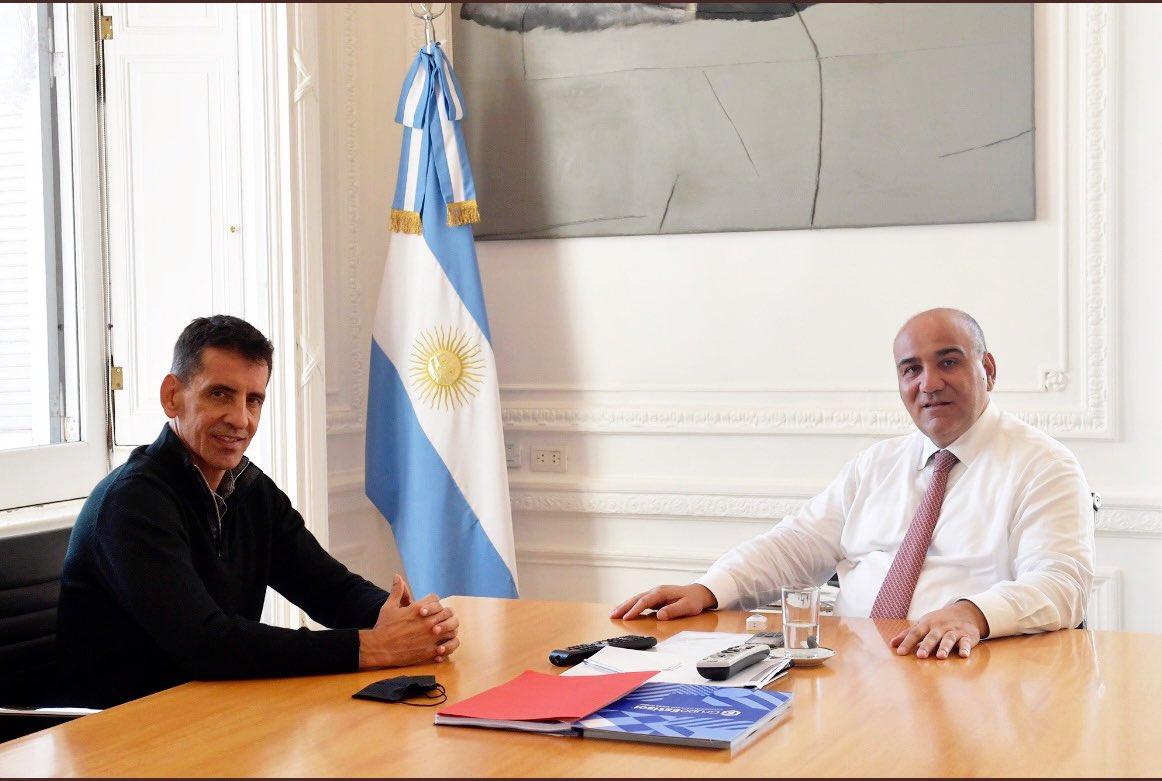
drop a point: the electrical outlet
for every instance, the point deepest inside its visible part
(512, 455)
(550, 459)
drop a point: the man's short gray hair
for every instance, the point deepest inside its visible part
(977, 332)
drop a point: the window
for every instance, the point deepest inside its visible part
(53, 438)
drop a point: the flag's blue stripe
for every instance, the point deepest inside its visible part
(456, 252)
(465, 166)
(400, 108)
(401, 181)
(404, 169)
(439, 536)
(439, 155)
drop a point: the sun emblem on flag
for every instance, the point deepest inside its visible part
(446, 367)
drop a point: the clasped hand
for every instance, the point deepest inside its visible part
(408, 632)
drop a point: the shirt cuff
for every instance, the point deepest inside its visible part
(1001, 617)
(721, 585)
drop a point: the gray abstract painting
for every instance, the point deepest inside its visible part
(613, 119)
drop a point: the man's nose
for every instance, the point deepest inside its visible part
(236, 416)
(930, 381)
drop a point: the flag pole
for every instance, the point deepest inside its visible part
(428, 16)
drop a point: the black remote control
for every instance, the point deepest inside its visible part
(566, 657)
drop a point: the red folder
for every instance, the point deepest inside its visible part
(533, 696)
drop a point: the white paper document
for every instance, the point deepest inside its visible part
(677, 659)
(624, 660)
(693, 646)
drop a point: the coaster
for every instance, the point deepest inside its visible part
(806, 657)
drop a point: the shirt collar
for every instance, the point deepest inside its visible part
(170, 442)
(229, 479)
(970, 443)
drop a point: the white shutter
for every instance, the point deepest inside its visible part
(174, 189)
(24, 399)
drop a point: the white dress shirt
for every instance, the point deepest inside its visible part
(1015, 533)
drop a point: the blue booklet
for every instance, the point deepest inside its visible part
(688, 715)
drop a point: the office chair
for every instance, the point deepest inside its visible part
(1096, 497)
(29, 592)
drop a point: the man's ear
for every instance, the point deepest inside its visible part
(171, 387)
(990, 370)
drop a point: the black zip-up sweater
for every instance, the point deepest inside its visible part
(149, 599)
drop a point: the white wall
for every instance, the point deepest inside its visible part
(705, 385)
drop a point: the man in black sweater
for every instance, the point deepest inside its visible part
(170, 558)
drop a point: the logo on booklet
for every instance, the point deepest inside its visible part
(685, 710)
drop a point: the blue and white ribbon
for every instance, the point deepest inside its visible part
(430, 109)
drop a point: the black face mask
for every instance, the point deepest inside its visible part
(404, 687)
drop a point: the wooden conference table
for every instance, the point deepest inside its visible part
(1066, 703)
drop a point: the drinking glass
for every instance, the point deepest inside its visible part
(800, 618)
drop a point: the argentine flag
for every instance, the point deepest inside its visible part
(435, 461)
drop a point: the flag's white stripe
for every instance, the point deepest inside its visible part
(451, 85)
(468, 439)
(419, 85)
(452, 152)
(413, 172)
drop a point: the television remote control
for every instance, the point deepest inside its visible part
(769, 639)
(565, 657)
(727, 662)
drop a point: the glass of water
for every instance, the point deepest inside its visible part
(800, 618)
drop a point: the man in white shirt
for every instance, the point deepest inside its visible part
(1005, 548)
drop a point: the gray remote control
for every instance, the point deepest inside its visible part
(727, 662)
(769, 639)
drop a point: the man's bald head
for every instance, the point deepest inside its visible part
(964, 318)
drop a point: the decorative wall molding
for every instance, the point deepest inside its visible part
(765, 504)
(641, 559)
(348, 414)
(766, 509)
(1098, 230)
(1130, 519)
(1054, 381)
(1120, 517)
(702, 419)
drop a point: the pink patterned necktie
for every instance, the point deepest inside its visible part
(895, 595)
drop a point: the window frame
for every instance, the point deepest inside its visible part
(66, 471)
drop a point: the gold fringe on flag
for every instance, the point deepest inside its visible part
(463, 213)
(406, 222)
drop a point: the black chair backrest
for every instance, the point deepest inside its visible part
(30, 587)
